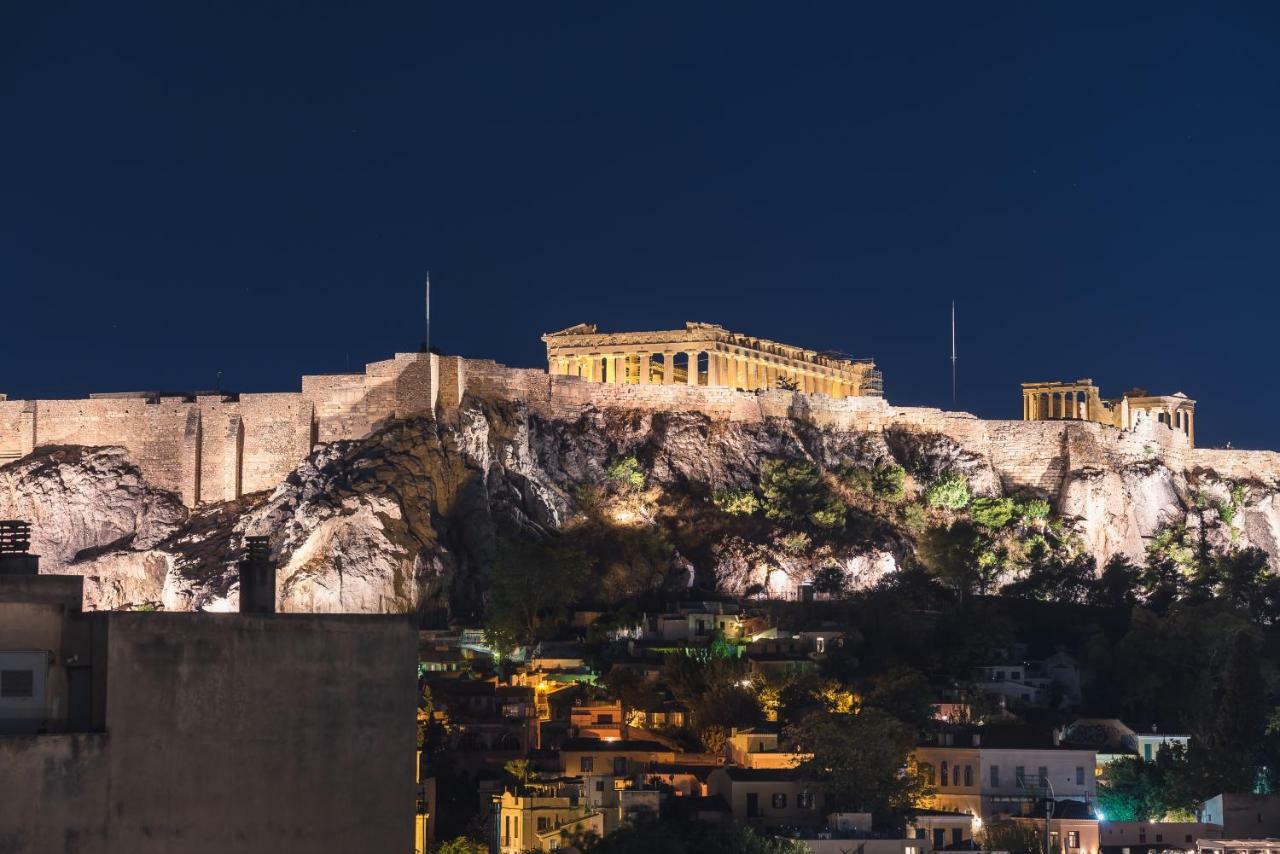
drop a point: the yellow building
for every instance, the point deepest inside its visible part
(1080, 401)
(704, 354)
(543, 819)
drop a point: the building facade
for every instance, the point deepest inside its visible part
(1081, 401)
(705, 354)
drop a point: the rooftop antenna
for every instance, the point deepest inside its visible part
(953, 352)
(426, 342)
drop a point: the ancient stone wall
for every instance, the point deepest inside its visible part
(215, 448)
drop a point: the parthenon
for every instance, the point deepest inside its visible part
(705, 354)
(1079, 400)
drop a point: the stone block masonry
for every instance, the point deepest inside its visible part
(211, 448)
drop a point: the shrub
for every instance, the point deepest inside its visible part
(1035, 508)
(914, 519)
(1226, 512)
(950, 490)
(626, 471)
(795, 544)
(992, 512)
(890, 482)
(794, 491)
(736, 502)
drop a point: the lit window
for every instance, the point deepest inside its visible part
(1073, 839)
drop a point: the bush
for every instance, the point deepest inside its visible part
(1226, 512)
(736, 502)
(885, 482)
(950, 490)
(1035, 508)
(626, 471)
(992, 512)
(794, 491)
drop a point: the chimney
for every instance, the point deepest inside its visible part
(15, 540)
(257, 578)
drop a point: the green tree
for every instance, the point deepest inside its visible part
(829, 581)
(795, 491)
(736, 502)
(992, 512)
(532, 588)
(521, 769)
(460, 845)
(1240, 719)
(626, 471)
(905, 694)
(858, 761)
(950, 490)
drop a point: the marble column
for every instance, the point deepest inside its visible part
(691, 371)
(668, 368)
(616, 360)
(645, 368)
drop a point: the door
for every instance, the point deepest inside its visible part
(753, 805)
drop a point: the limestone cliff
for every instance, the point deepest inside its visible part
(409, 517)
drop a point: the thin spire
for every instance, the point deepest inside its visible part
(953, 352)
(426, 341)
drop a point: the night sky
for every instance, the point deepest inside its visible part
(258, 189)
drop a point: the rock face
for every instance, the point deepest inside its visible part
(408, 519)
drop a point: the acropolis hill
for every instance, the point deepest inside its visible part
(701, 405)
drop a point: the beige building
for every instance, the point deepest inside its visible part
(544, 818)
(766, 797)
(704, 354)
(1080, 401)
(758, 747)
(995, 770)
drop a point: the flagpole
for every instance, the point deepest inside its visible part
(953, 352)
(426, 343)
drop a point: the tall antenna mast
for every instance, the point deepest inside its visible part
(953, 352)
(426, 341)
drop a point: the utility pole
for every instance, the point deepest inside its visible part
(426, 340)
(953, 353)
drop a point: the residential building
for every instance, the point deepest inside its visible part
(1264, 845)
(1002, 770)
(1113, 739)
(542, 817)
(135, 732)
(1243, 816)
(758, 747)
(1153, 837)
(622, 758)
(1054, 680)
(766, 797)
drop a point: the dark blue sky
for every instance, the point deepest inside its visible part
(258, 189)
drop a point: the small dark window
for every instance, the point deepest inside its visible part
(804, 800)
(544, 823)
(586, 763)
(1079, 775)
(945, 775)
(779, 801)
(995, 776)
(17, 683)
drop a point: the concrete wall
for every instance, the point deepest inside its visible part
(227, 732)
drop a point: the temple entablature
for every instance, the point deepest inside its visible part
(705, 354)
(1080, 400)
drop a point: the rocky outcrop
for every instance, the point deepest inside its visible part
(408, 519)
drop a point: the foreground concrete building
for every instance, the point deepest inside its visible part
(1081, 401)
(129, 733)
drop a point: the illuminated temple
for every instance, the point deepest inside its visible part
(705, 354)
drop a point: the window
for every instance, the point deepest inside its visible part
(1073, 839)
(586, 764)
(944, 774)
(1020, 777)
(929, 775)
(939, 838)
(1079, 775)
(804, 800)
(779, 801)
(957, 836)
(999, 675)
(604, 719)
(599, 785)
(968, 775)
(544, 823)
(620, 765)
(910, 849)
(1044, 776)
(17, 683)
(1146, 751)
(995, 776)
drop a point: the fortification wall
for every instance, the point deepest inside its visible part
(216, 448)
